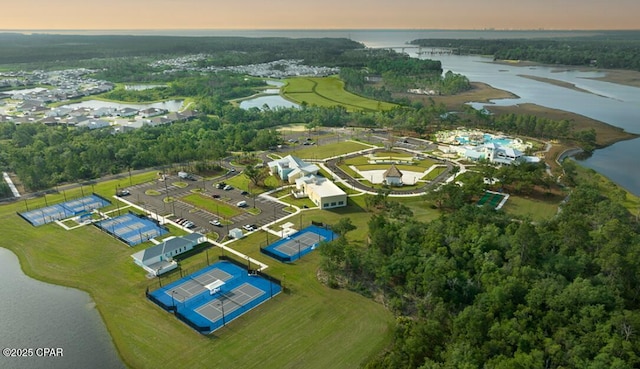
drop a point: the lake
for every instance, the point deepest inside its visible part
(272, 101)
(36, 314)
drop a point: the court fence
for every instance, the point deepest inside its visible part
(187, 312)
(160, 303)
(283, 259)
(200, 328)
(251, 271)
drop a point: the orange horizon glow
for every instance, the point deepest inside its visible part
(325, 15)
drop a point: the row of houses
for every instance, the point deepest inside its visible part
(99, 118)
(275, 69)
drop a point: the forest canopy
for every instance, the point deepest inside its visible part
(619, 50)
(476, 288)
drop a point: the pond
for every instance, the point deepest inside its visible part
(272, 101)
(37, 315)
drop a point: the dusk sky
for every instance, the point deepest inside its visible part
(325, 14)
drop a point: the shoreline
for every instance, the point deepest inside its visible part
(624, 77)
(606, 134)
(481, 92)
(558, 83)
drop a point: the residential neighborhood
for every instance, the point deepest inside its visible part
(22, 106)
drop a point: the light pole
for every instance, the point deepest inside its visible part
(173, 300)
(224, 323)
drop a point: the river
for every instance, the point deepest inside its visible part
(610, 103)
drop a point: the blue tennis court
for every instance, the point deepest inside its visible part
(131, 228)
(214, 296)
(64, 210)
(298, 244)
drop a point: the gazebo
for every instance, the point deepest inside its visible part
(393, 176)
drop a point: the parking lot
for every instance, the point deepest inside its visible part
(202, 220)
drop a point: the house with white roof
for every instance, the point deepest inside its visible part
(158, 259)
(291, 168)
(324, 193)
(93, 123)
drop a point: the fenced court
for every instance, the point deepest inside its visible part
(132, 228)
(298, 244)
(215, 295)
(64, 210)
(495, 200)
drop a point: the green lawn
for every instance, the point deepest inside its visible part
(298, 202)
(212, 205)
(434, 173)
(329, 150)
(328, 92)
(311, 326)
(243, 183)
(537, 210)
(349, 171)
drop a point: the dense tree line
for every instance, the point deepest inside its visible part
(223, 85)
(430, 118)
(44, 156)
(397, 73)
(476, 288)
(48, 48)
(619, 50)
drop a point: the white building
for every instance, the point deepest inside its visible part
(236, 233)
(290, 168)
(497, 154)
(158, 259)
(324, 193)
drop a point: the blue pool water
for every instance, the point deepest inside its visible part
(487, 138)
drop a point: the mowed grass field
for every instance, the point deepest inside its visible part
(328, 92)
(310, 326)
(329, 150)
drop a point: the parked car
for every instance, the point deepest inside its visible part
(245, 193)
(227, 188)
(123, 193)
(215, 196)
(215, 222)
(241, 204)
(248, 227)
